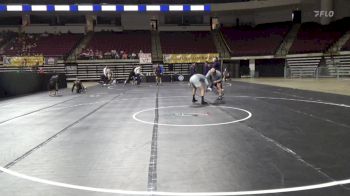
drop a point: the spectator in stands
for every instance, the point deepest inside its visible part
(113, 54)
(41, 70)
(138, 54)
(106, 55)
(133, 55)
(91, 54)
(96, 54)
(117, 56)
(100, 55)
(84, 54)
(125, 55)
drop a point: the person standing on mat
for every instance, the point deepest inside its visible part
(161, 72)
(226, 75)
(215, 80)
(158, 74)
(53, 85)
(138, 74)
(109, 75)
(193, 69)
(104, 76)
(216, 63)
(201, 82)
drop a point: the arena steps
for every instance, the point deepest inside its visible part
(288, 41)
(338, 45)
(78, 49)
(157, 54)
(220, 44)
(6, 44)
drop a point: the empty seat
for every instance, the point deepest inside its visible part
(196, 42)
(260, 40)
(313, 37)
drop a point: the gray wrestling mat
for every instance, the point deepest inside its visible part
(149, 140)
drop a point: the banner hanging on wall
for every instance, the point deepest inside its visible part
(145, 58)
(23, 61)
(189, 58)
(51, 61)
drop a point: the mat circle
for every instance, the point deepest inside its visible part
(134, 116)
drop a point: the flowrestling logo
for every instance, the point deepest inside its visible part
(324, 13)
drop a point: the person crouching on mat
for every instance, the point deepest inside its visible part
(215, 80)
(201, 82)
(107, 75)
(103, 77)
(130, 77)
(53, 85)
(78, 85)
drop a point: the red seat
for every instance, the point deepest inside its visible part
(197, 42)
(127, 41)
(260, 40)
(313, 37)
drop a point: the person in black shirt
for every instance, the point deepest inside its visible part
(78, 85)
(158, 73)
(53, 85)
(130, 77)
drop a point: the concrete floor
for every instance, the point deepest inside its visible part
(154, 139)
(327, 85)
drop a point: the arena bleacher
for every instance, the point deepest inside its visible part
(197, 42)
(43, 44)
(111, 43)
(259, 40)
(313, 37)
(346, 46)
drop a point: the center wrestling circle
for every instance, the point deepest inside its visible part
(202, 116)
